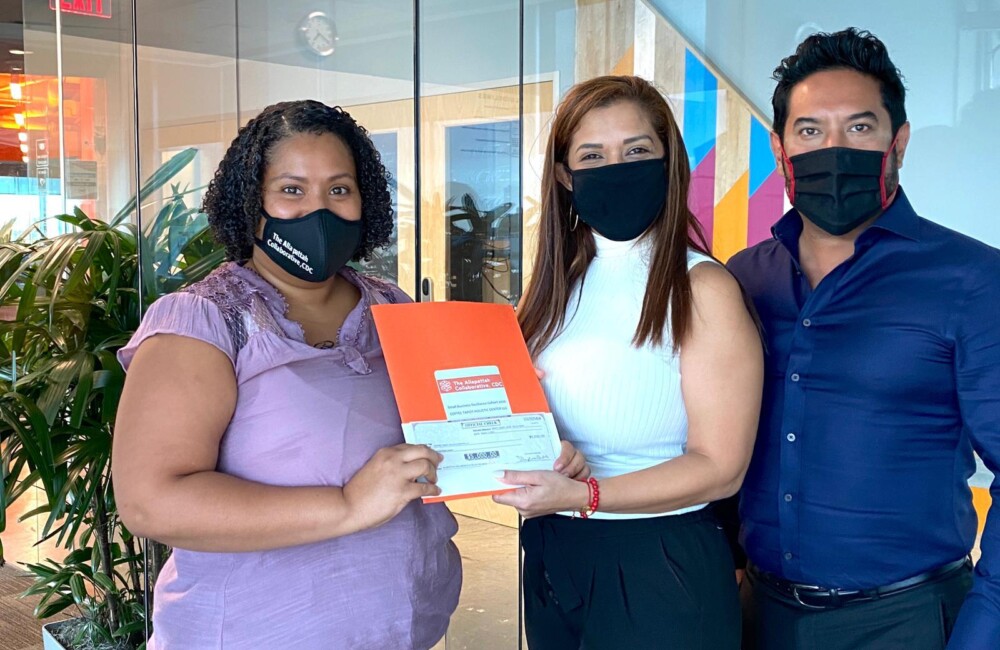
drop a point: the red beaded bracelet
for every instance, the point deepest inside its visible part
(594, 498)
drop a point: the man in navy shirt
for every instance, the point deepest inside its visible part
(883, 375)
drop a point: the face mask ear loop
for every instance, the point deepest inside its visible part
(789, 175)
(881, 180)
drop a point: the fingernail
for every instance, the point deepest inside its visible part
(558, 467)
(499, 473)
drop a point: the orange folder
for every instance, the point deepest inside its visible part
(419, 339)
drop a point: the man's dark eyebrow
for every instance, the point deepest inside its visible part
(863, 115)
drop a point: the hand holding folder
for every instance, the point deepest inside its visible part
(465, 386)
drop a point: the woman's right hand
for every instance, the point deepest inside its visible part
(388, 481)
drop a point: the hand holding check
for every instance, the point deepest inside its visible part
(546, 492)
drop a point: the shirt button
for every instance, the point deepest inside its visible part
(795, 376)
(790, 437)
(807, 322)
(788, 556)
(788, 497)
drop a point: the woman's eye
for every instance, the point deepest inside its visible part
(636, 151)
(591, 156)
(340, 190)
(290, 189)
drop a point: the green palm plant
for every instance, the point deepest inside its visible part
(77, 299)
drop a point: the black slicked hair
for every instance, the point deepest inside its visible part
(849, 49)
(233, 200)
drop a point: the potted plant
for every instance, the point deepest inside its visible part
(77, 298)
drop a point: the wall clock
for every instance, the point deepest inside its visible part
(319, 33)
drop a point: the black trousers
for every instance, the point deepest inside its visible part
(663, 582)
(919, 619)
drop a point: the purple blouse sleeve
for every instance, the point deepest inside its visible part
(183, 314)
(400, 296)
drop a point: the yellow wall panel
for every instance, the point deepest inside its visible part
(730, 232)
(625, 65)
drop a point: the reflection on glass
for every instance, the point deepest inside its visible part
(384, 263)
(484, 211)
(32, 187)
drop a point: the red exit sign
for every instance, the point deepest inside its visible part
(98, 8)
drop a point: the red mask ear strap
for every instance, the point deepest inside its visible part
(881, 180)
(790, 175)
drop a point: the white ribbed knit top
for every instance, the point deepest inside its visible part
(619, 405)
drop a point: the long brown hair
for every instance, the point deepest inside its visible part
(565, 253)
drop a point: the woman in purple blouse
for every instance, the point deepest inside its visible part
(258, 434)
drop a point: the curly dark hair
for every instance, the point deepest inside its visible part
(233, 200)
(850, 49)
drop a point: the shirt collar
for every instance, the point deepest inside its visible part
(899, 218)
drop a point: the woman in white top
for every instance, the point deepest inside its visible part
(653, 368)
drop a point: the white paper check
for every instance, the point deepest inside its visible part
(474, 449)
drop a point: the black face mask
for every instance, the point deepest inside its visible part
(838, 188)
(620, 201)
(313, 247)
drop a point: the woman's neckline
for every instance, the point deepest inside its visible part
(275, 298)
(609, 248)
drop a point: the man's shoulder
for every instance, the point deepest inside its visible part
(959, 248)
(758, 259)
(933, 231)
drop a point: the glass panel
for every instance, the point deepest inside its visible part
(74, 83)
(355, 55)
(550, 60)
(470, 155)
(385, 263)
(64, 80)
(483, 189)
(182, 48)
(187, 116)
(67, 146)
(470, 243)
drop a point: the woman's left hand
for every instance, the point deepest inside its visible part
(543, 493)
(572, 463)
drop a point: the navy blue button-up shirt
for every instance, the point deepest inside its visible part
(879, 384)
